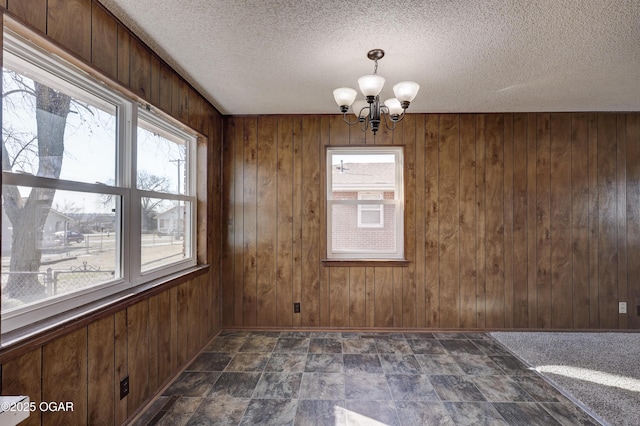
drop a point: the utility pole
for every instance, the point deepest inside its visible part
(179, 162)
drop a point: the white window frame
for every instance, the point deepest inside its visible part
(173, 133)
(371, 195)
(25, 57)
(397, 202)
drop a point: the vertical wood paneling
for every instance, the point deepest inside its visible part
(339, 297)
(165, 89)
(195, 111)
(420, 201)
(194, 317)
(267, 192)
(449, 243)
(238, 207)
(397, 297)
(64, 377)
(467, 222)
(432, 296)
(101, 368)
(543, 225)
(153, 342)
(310, 220)
(532, 220)
(33, 12)
(297, 215)
(69, 23)
(508, 220)
(621, 213)
(181, 322)
(138, 354)
(505, 223)
(580, 219)
(594, 313)
(560, 204)
(607, 226)
(408, 280)
(124, 50)
(495, 248)
(23, 376)
(229, 256)
(179, 99)
(370, 295)
(250, 221)
(357, 297)
(481, 214)
(383, 294)
(205, 320)
(173, 331)
(140, 69)
(104, 41)
(633, 218)
(520, 205)
(284, 224)
(120, 360)
(164, 336)
(154, 95)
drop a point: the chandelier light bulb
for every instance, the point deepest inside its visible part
(406, 91)
(371, 85)
(394, 106)
(344, 96)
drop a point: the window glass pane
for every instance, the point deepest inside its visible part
(366, 172)
(348, 237)
(162, 161)
(56, 242)
(49, 132)
(370, 217)
(165, 232)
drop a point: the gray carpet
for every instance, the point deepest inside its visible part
(598, 370)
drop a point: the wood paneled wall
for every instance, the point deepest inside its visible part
(152, 339)
(524, 221)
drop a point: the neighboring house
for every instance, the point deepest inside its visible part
(55, 222)
(171, 221)
(94, 222)
(363, 226)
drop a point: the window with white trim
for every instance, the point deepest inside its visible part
(87, 179)
(365, 203)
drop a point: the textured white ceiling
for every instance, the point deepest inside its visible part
(287, 56)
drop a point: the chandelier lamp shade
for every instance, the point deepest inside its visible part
(370, 111)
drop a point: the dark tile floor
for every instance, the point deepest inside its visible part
(316, 378)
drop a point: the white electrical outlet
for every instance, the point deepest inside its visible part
(622, 307)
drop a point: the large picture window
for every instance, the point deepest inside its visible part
(365, 203)
(90, 206)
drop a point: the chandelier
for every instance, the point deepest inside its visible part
(369, 111)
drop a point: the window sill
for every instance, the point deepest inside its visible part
(381, 263)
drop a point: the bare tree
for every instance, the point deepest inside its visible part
(151, 182)
(27, 216)
(148, 182)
